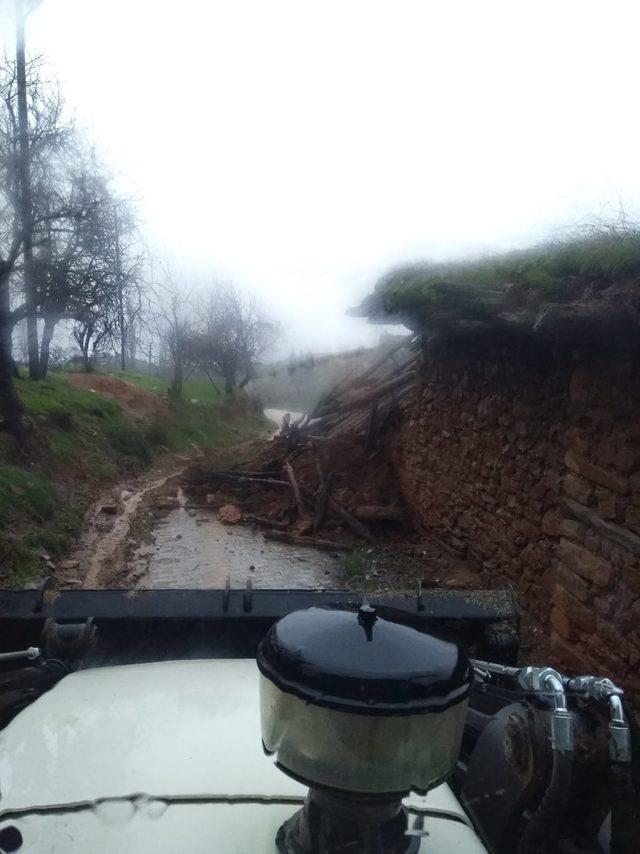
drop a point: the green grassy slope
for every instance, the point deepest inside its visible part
(80, 442)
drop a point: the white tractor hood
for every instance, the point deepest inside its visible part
(164, 756)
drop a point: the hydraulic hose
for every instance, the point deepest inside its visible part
(623, 825)
(634, 733)
(546, 819)
(625, 782)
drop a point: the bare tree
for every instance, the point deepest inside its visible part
(61, 256)
(132, 325)
(13, 220)
(47, 134)
(23, 171)
(170, 320)
(91, 330)
(70, 264)
(232, 335)
(83, 265)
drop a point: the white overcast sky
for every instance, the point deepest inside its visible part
(301, 148)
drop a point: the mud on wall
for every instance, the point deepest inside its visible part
(530, 463)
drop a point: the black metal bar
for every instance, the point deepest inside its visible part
(77, 605)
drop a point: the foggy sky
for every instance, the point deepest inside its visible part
(302, 148)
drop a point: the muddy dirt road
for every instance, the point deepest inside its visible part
(143, 533)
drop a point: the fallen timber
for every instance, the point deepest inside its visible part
(308, 477)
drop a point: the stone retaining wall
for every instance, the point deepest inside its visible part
(531, 465)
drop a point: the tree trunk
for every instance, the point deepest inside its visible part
(10, 405)
(229, 383)
(213, 383)
(123, 342)
(176, 383)
(24, 167)
(47, 334)
(85, 354)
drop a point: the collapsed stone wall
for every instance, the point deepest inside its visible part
(530, 464)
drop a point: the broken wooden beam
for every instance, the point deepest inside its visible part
(295, 489)
(371, 513)
(372, 424)
(357, 527)
(311, 542)
(364, 398)
(265, 523)
(232, 477)
(322, 496)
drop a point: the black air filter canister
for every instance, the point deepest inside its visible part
(354, 702)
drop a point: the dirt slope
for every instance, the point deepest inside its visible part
(133, 400)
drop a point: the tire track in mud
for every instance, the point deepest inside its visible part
(100, 557)
(142, 533)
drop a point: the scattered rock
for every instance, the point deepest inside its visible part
(167, 502)
(215, 499)
(455, 583)
(230, 514)
(302, 527)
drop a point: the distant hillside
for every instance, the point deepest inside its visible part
(298, 382)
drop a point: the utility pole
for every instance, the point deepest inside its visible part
(120, 289)
(26, 204)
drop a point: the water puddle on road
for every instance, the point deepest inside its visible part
(191, 548)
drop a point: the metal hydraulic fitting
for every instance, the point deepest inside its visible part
(546, 680)
(31, 654)
(486, 669)
(537, 680)
(605, 691)
(592, 687)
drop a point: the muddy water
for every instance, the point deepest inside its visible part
(192, 548)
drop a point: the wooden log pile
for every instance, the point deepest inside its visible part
(322, 480)
(361, 406)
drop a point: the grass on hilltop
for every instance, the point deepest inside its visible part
(604, 255)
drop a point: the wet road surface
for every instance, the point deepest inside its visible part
(192, 548)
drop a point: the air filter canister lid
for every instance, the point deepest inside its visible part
(359, 662)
